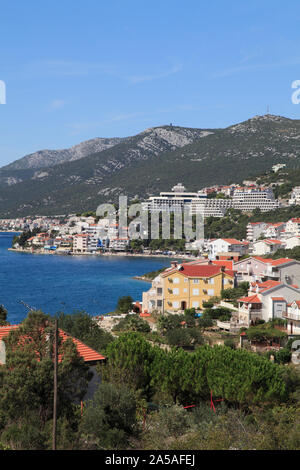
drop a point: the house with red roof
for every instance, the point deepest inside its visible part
(266, 301)
(227, 245)
(256, 268)
(187, 285)
(89, 355)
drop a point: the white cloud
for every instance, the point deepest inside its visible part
(56, 104)
(147, 78)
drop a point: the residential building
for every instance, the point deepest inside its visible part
(153, 299)
(266, 247)
(295, 196)
(292, 227)
(274, 230)
(248, 199)
(188, 285)
(226, 245)
(292, 242)
(80, 243)
(292, 315)
(255, 268)
(255, 230)
(266, 301)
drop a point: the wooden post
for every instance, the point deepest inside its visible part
(55, 386)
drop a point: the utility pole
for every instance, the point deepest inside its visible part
(55, 386)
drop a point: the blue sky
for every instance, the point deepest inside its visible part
(76, 70)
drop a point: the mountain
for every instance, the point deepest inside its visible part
(48, 158)
(152, 161)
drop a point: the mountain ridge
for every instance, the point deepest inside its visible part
(155, 160)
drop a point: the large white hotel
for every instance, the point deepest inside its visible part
(245, 199)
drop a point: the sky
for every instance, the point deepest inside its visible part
(76, 70)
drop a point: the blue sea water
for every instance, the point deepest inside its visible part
(55, 283)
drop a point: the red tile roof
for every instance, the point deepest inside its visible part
(197, 270)
(228, 264)
(88, 354)
(266, 285)
(253, 299)
(270, 241)
(274, 262)
(233, 241)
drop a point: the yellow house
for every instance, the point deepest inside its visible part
(189, 285)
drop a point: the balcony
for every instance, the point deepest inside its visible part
(291, 316)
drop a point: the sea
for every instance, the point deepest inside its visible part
(62, 283)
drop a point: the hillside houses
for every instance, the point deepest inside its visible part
(266, 301)
(256, 268)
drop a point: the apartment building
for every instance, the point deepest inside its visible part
(255, 230)
(227, 245)
(80, 243)
(266, 301)
(153, 299)
(210, 207)
(173, 201)
(274, 230)
(252, 269)
(188, 285)
(248, 199)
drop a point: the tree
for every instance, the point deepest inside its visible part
(26, 392)
(3, 316)
(130, 359)
(82, 326)
(110, 418)
(125, 304)
(132, 323)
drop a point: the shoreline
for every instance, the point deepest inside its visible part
(134, 255)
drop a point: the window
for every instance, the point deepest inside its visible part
(211, 281)
(186, 279)
(195, 291)
(176, 291)
(225, 282)
(176, 280)
(211, 292)
(195, 281)
(175, 304)
(185, 290)
(195, 304)
(159, 303)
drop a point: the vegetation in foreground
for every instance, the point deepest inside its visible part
(140, 402)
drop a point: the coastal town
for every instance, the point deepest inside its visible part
(150, 230)
(203, 269)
